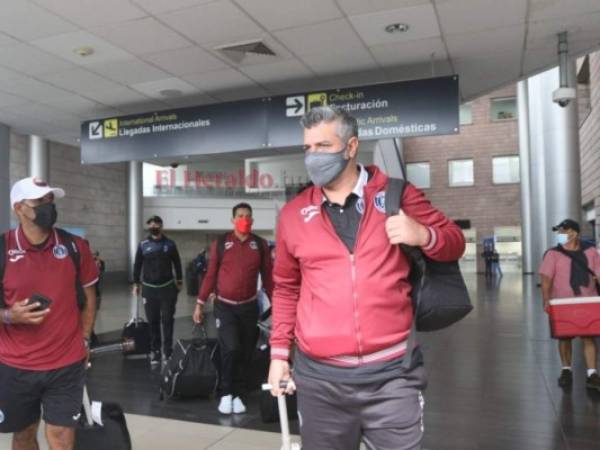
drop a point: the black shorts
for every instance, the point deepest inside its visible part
(23, 393)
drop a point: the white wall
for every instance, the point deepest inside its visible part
(208, 214)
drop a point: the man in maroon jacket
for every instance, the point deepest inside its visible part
(236, 259)
(342, 296)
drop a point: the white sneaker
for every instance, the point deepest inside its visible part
(225, 404)
(238, 406)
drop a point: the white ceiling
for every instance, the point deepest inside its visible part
(142, 47)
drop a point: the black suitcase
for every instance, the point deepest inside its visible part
(111, 435)
(137, 330)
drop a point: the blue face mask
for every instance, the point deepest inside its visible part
(563, 238)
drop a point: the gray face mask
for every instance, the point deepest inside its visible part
(323, 168)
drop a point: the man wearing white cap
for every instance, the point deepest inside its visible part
(47, 309)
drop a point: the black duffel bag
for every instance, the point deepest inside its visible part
(191, 370)
(111, 435)
(439, 294)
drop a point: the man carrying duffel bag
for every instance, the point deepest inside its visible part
(343, 295)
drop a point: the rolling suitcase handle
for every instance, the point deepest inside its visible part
(286, 442)
(135, 311)
(87, 408)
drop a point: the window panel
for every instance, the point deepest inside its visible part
(503, 108)
(419, 174)
(460, 172)
(466, 114)
(506, 169)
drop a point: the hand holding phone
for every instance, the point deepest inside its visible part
(31, 311)
(44, 302)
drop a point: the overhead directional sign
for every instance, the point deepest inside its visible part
(294, 106)
(391, 110)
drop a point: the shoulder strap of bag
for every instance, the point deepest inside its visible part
(393, 204)
(3, 239)
(69, 241)
(261, 247)
(393, 196)
(221, 249)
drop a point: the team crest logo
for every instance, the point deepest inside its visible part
(166, 249)
(360, 206)
(218, 323)
(380, 202)
(310, 212)
(1, 416)
(253, 245)
(15, 254)
(228, 245)
(60, 251)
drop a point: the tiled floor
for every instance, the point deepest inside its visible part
(492, 385)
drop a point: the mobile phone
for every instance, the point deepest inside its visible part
(42, 300)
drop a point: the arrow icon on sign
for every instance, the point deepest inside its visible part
(294, 106)
(95, 130)
(298, 104)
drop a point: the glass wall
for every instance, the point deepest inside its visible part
(508, 246)
(468, 263)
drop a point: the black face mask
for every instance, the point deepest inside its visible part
(154, 231)
(45, 215)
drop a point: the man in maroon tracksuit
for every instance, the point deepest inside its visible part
(236, 259)
(342, 296)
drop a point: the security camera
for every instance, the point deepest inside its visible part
(563, 96)
(174, 165)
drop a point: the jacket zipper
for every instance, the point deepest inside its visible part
(330, 229)
(356, 315)
(354, 287)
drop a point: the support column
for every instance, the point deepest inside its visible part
(523, 106)
(39, 160)
(135, 205)
(538, 101)
(388, 156)
(555, 170)
(563, 172)
(5, 207)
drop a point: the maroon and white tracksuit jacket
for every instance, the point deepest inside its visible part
(349, 309)
(235, 281)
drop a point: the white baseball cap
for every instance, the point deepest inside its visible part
(32, 188)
